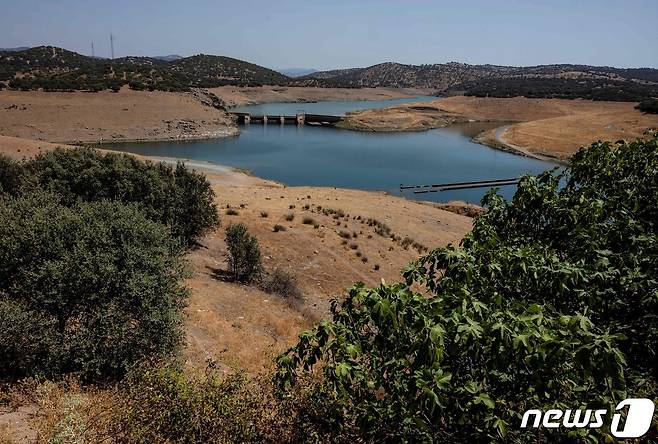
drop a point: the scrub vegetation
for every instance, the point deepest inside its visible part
(91, 269)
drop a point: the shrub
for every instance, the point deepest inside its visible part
(376, 267)
(344, 234)
(263, 214)
(243, 253)
(308, 220)
(282, 283)
(279, 227)
(92, 288)
(167, 405)
(289, 217)
(175, 196)
(649, 106)
(232, 212)
(549, 302)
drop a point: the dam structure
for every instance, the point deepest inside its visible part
(300, 118)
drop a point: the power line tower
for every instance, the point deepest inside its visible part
(112, 45)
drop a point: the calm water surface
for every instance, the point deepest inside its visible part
(320, 156)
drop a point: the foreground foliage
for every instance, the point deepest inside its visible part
(91, 288)
(550, 303)
(91, 270)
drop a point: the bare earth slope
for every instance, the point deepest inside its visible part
(126, 115)
(549, 127)
(241, 326)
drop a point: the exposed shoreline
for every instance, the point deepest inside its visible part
(545, 129)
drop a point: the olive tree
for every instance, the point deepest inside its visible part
(90, 288)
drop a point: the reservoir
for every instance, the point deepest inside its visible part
(326, 156)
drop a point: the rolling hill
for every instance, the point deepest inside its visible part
(57, 69)
(560, 81)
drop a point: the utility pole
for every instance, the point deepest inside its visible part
(112, 45)
(93, 54)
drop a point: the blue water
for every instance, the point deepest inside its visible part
(325, 156)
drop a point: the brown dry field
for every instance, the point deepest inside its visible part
(547, 127)
(237, 96)
(126, 115)
(240, 326)
(19, 148)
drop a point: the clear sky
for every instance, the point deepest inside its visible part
(339, 33)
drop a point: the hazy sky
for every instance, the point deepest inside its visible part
(338, 33)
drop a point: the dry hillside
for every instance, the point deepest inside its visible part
(126, 115)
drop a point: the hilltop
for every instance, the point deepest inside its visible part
(58, 69)
(546, 81)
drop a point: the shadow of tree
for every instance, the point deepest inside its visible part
(220, 274)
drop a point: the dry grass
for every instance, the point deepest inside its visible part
(222, 317)
(88, 117)
(57, 412)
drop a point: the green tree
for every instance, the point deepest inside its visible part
(243, 253)
(550, 303)
(91, 288)
(175, 196)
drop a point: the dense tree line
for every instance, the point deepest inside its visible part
(559, 88)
